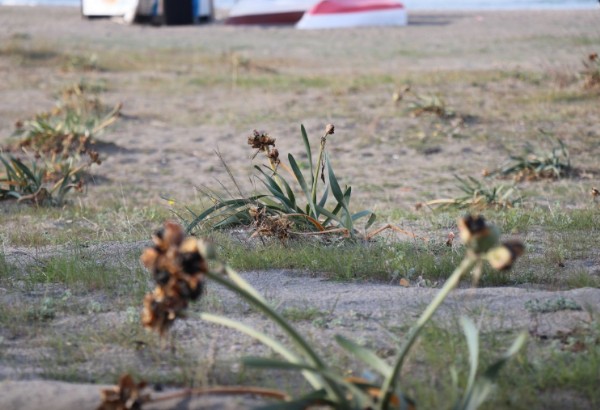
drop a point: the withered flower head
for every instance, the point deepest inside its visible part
(178, 265)
(595, 192)
(273, 155)
(505, 255)
(126, 395)
(329, 129)
(94, 157)
(260, 140)
(477, 234)
(170, 235)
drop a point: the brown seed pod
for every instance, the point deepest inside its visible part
(477, 234)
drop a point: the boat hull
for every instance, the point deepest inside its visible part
(283, 18)
(353, 13)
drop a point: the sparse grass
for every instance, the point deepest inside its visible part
(82, 270)
(299, 314)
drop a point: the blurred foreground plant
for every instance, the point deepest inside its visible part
(329, 388)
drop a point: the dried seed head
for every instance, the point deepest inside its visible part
(595, 192)
(178, 266)
(273, 155)
(329, 129)
(477, 234)
(505, 255)
(260, 140)
(94, 157)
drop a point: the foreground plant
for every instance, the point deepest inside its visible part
(329, 388)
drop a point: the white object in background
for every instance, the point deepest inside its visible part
(353, 13)
(106, 8)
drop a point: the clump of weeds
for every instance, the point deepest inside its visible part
(478, 196)
(69, 128)
(535, 163)
(419, 104)
(31, 180)
(294, 203)
(54, 150)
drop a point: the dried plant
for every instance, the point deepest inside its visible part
(178, 267)
(535, 164)
(478, 197)
(278, 226)
(330, 389)
(419, 105)
(39, 183)
(318, 212)
(591, 71)
(69, 128)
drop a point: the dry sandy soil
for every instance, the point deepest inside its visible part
(190, 91)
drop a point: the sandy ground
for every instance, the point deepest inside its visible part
(181, 103)
(357, 311)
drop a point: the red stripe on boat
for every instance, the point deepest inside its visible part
(353, 6)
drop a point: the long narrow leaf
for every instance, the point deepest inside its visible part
(472, 336)
(367, 356)
(229, 203)
(275, 345)
(308, 151)
(364, 399)
(339, 196)
(302, 182)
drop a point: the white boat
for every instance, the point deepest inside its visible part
(268, 12)
(353, 13)
(167, 11)
(107, 8)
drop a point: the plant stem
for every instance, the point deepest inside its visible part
(232, 390)
(250, 295)
(388, 387)
(313, 193)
